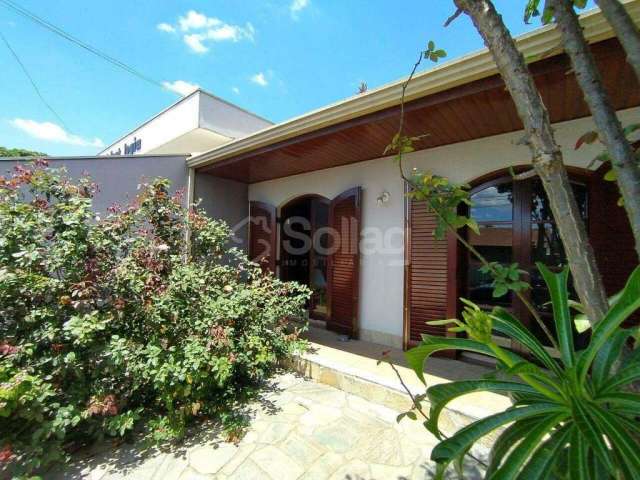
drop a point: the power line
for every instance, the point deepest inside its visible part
(33, 83)
(67, 36)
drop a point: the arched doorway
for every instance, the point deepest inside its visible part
(304, 246)
(328, 260)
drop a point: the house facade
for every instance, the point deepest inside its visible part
(328, 209)
(314, 199)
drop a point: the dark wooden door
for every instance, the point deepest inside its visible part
(344, 262)
(430, 275)
(262, 234)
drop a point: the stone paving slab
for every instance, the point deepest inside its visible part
(300, 430)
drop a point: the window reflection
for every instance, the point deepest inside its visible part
(501, 240)
(493, 210)
(493, 204)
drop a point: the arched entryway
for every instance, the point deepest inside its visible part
(304, 246)
(319, 249)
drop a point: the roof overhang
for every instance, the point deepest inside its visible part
(476, 71)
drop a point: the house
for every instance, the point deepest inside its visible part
(314, 199)
(328, 209)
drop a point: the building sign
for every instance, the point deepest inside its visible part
(133, 147)
(129, 148)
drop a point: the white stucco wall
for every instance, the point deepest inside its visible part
(227, 119)
(381, 273)
(177, 120)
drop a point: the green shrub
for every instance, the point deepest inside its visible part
(111, 324)
(576, 417)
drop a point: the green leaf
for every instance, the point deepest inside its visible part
(629, 129)
(500, 290)
(507, 324)
(624, 376)
(541, 463)
(578, 457)
(512, 465)
(591, 432)
(581, 322)
(557, 285)
(607, 355)
(431, 344)
(531, 10)
(450, 448)
(628, 303)
(611, 176)
(508, 440)
(440, 395)
(630, 402)
(624, 445)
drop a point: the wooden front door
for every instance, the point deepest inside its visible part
(344, 262)
(262, 235)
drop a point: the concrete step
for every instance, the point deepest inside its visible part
(353, 368)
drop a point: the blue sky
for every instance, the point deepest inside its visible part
(276, 58)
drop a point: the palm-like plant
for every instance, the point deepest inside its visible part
(572, 418)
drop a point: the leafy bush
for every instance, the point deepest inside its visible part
(110, 324)
(572, 418)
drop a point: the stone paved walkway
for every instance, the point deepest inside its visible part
(300, 430)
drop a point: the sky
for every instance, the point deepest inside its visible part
(277, 58)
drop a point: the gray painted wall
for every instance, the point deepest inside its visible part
(118, 176)
(224, 199)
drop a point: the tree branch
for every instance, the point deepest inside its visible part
(625, 29)
(623, 159)
(546, 155)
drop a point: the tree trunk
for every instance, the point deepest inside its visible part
(547, 157)
(625, 29)
(623, 159)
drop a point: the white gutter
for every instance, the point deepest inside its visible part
(534, 45)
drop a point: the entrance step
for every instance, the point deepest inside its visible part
(353, 367)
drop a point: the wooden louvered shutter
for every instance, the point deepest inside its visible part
(609, 223)
(262, 234)
(430, 277)
(344, 262)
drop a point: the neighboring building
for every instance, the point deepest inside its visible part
(118, 177)
(196, 123)
(388, 275)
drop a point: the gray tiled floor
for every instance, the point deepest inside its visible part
(300, 430)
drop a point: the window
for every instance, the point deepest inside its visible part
(517, 225)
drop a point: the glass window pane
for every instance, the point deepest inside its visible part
(540, 208)
(496, 245)
(493, 204)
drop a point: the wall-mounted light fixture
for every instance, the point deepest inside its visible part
(383, 198)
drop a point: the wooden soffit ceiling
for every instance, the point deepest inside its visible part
(478, 109)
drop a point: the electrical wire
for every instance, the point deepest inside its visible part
(32, 81)
(67, 36)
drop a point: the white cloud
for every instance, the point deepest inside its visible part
(259, 79)
(194, 42)
(199, 30)
(194, 20)
(165, 27)
(235, 90)
(181, 87)
(53, 133)
(297, 6)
